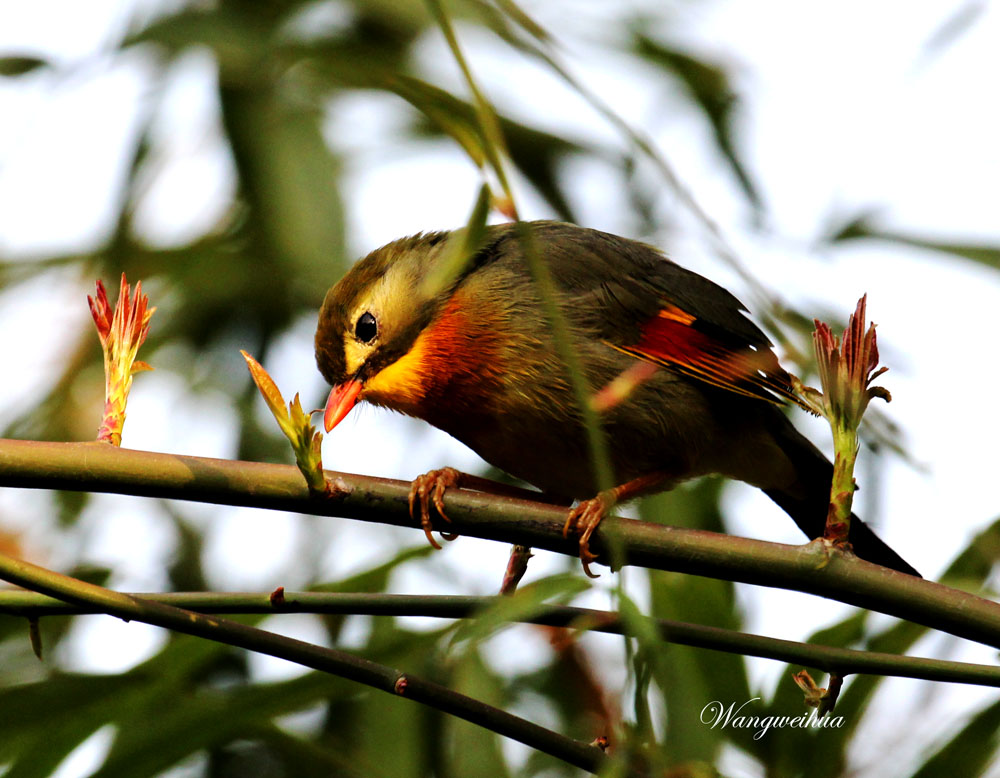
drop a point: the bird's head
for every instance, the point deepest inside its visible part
(368, 339)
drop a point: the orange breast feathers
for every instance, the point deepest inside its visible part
(453, 362)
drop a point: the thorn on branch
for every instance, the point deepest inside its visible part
(338, 488)
(400, 686)
(35, 636)
(832, 694)
(517, 566)
(601, 742)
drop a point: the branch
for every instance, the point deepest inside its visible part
(838, 661)
(328, 660)
(808, 568)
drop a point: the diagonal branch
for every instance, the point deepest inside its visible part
(340, 663)
(809, 568)
(838, 661)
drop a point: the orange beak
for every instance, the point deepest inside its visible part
(342, 398)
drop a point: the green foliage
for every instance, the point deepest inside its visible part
(691, 678)
(971, 751)
(265, 264)
(865, 227)
(710, 88)
(18, 66)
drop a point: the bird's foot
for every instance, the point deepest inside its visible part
(430, 488)
(586, 516)
(584, 519)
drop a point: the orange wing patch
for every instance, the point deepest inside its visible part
(672, 339)
(673, 313)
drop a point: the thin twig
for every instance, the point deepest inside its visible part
(841, 661)
(339, 663)
(517, 566)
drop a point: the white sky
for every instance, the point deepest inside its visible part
(844, 110)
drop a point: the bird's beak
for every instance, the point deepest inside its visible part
(342, 398)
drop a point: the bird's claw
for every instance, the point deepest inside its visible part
(430, 488)
(584, 519)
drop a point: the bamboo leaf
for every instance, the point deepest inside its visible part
(970, 752)
(711, 89)
(462, 246)
(19, 66)
(863, 227)
(693, 678)
(526, 601)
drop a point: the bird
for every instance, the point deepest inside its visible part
(469, 348)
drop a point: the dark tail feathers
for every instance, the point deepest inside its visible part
(809, 513)
(866, 543)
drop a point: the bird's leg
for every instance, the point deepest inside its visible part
(587, 515)
(429, 488)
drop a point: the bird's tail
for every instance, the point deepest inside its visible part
(807, 501)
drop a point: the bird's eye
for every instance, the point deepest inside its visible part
(366, 329)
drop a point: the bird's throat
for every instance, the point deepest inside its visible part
(401, 385)
(451, 365)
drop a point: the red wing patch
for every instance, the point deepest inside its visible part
(672, 339)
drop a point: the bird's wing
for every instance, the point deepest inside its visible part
(639, 302)
(678, 339)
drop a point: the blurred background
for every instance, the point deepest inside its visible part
(238, 156)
